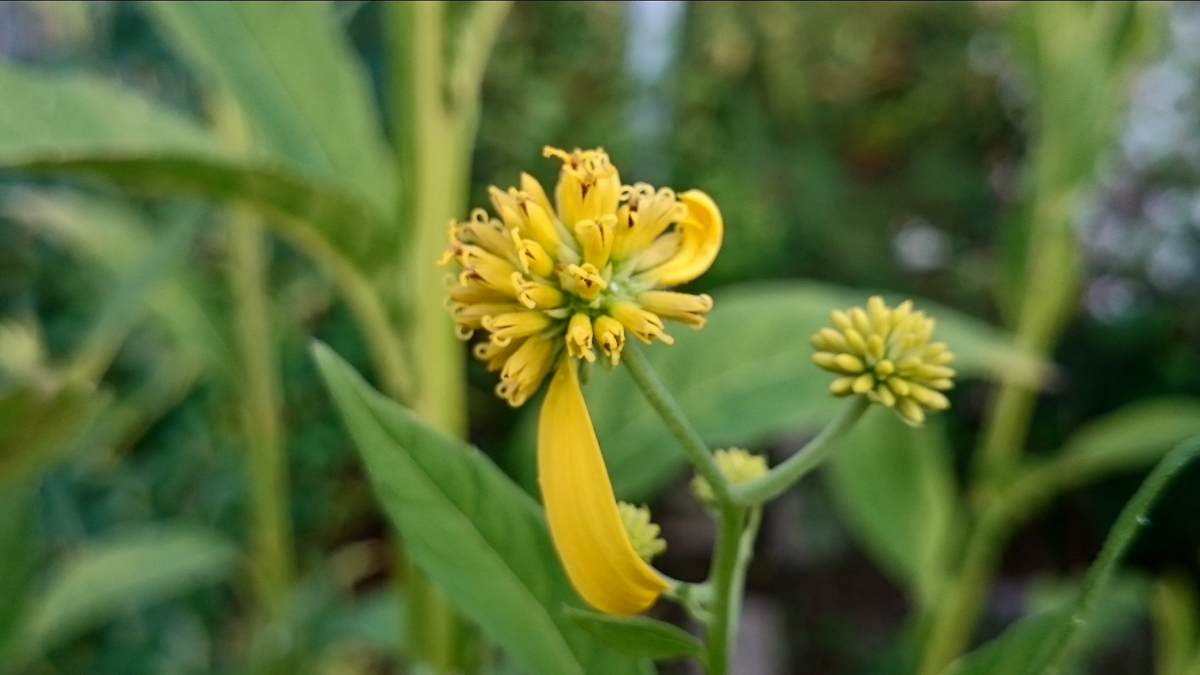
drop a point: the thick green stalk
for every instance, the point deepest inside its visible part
(811, 456)
(727, 570)
(689, 439)
(434, 136)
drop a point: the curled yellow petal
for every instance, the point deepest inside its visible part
(700, 235)
(582, 511)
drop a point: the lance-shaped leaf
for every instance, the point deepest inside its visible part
(481, 539)
(84, 125)
(304, 93)
(639, 635)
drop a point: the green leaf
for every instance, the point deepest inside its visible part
(19, 563)
(38, 428)
(114, 237)
(296, 78)
(104, 578)
(638, 635)
(481, 539)
(84, 125)
(895, 486)
(1046, 643)
(1136, 434)
(1023, 649)
(747, 377)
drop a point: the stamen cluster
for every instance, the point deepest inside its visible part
(544, 281)
(885, 354)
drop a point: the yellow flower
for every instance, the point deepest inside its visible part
(585, 521)
(602, 255)
(738, 465)
(551, 285)
(885, 354)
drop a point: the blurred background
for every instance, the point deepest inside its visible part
(870, 145)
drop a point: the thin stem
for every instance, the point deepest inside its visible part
(1129, 523)
(668, 408)
(959, 609)
(811, 456)
(271, 563)
(724, 577)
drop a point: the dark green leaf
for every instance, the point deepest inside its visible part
(895, 486)
(21, 555)
(638, 635)
(481, 539)
(38, 428)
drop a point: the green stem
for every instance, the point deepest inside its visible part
(689, 439)
(727, 570)
(272, 567)
(955, 620)
(1123, 532)
(811, 456)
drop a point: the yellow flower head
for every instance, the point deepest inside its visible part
(580, 275)
(885, 354)
(738, 465)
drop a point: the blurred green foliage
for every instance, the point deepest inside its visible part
(862, 144)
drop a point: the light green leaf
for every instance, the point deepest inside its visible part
(84, 125)
(748, 376)
(1136, 434)
(639, 635)
(1129, 438)
(895, 486)
(481, 539)
(104, 578)
(1023, 649)
(295, 76)
(1047, 643)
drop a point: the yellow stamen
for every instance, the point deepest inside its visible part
(525, 369)
(505, 327)
(581, 509)
(579, 337)
(645, 326)
(685, 307)
(596, 236)
(536, 295)
(610, 335)
(586, 280)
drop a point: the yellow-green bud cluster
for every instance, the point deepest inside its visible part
(643, 534)
(885, 354)
(738, 465)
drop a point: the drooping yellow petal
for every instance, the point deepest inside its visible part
(581, 508)
(700, 238)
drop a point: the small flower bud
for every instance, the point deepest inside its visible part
(643, 534)
(738, 465)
